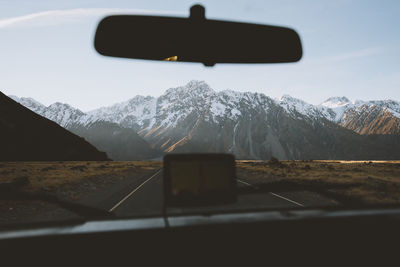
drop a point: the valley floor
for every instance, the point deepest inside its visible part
(87, 182)
(351, 183)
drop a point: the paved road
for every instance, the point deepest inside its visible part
(141, 194)
(146, 198)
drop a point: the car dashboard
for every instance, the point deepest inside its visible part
(276, 236)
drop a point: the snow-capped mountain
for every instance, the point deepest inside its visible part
(338, 105)
(366, 117)
(175, 104)
(363, 117)
(143, 113)
(295, 106)
(136, 113)
(61, 113)
(118, 142)
(30, 103)
(373, 117)
(194, 117)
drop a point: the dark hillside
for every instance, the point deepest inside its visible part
(27, 136)
(120, 143)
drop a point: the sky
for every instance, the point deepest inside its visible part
(351, 48)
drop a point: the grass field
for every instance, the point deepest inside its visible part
(50, 176)
(370, 182)
(362, 181)
(69, 180)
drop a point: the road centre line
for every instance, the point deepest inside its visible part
(274, 194)
(133, 191)
(155, 174)
(245, 183)
(285, 198)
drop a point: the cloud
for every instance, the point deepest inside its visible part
(54, 17)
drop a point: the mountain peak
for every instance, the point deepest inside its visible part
(60, 104)
(336, 101)
(198, 87)
(192, 88)
(27, 101)
(291, 104)
(289, 98)
(194, 83)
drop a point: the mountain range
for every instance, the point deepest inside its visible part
(196, 118)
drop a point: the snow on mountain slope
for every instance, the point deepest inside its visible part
(146, 114)
(138, 112)
(388, 105)
(195, 118)
(336, 101)
(373, 117)
(61, 113)
(293, 105)
(342, 105)
(30, 103)
(175, 104)
(338, 105)
(366, 117)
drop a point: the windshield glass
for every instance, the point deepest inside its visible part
(87, 129)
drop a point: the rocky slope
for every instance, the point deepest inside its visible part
(373, 118)
(363, 117)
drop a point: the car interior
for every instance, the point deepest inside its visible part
(209, 215)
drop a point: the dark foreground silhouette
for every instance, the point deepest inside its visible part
(27, 136)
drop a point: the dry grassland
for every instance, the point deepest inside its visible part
(369, 182)
(50, 176)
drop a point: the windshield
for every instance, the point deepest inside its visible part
(91, 130)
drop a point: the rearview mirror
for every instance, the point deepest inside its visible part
(195, 39)
(199, 179)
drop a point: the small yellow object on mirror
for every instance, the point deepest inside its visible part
(174, 58)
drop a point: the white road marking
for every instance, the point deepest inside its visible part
(274, 194)
(243, 182)
(133, 191)
(285, 198)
